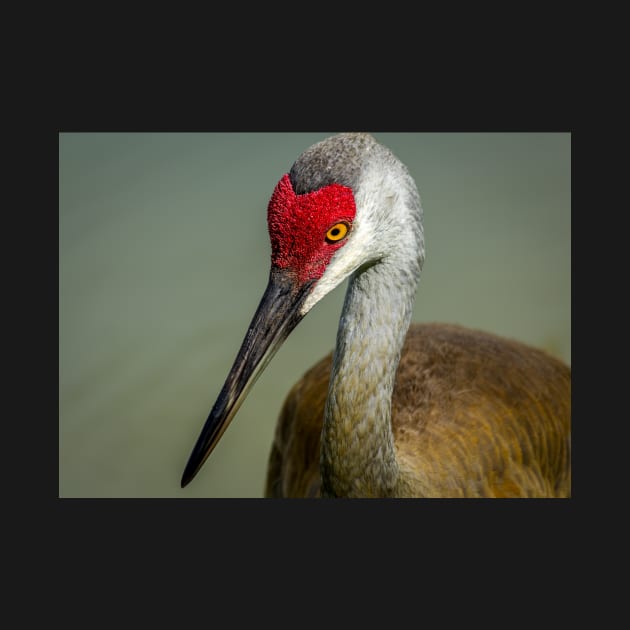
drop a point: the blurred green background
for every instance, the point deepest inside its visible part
(164, 255)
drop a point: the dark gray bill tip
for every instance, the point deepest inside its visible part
(276, 316)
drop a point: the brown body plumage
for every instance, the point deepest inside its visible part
(473, 415)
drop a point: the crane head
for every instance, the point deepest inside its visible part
(305, 231)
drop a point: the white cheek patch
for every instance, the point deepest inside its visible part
(344, 262)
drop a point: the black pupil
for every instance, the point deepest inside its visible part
(335, 231)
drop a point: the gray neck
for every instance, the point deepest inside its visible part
(383, 258)
(357, 455)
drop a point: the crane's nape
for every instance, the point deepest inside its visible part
(393, 412)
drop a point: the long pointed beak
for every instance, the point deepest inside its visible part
(277, 315)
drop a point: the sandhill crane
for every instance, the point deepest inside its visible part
(427, 410)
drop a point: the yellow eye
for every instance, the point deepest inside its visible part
(337, 232)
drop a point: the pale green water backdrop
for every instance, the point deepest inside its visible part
(164, 256)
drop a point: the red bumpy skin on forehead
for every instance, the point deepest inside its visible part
(298, 225)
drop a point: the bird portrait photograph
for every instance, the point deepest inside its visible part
(342, 314)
